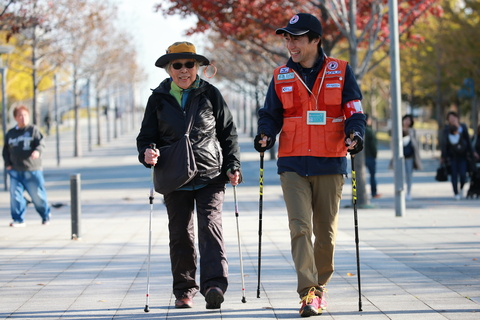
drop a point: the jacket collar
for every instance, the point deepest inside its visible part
(316, 67)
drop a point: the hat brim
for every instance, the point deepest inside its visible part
(295, 32)
(166, 58)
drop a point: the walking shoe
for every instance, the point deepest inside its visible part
(214, 297)
(16, 224)
(45, 222)
(183, 302)
(310, 304)
(323, 300)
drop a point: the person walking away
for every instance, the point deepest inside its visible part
(371, 149)
(48, 121)
(22, 152)
(217, 155)
(456, 148)
(315, 102)
(411, 152)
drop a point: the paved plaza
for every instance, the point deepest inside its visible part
(424, 265)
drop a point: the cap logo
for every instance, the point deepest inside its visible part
(332, 65)
(294, 19)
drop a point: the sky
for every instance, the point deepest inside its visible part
(152, 33)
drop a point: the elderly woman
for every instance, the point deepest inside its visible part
(217, 155)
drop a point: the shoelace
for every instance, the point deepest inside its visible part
(308, 298)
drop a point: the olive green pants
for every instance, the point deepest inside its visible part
(312, 205)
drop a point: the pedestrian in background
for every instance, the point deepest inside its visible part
(474, 170)
(48, 121)
(411, 152)
(314, 101)
(456, 148)
(22, 152)
(476, 144)
(217, 155)
(371, 150)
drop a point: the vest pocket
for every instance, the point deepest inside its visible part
(287, 97)
(334, 136)
(287, 137)
(333, 92)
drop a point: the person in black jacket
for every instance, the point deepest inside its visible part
(456, 148)
(217, 155)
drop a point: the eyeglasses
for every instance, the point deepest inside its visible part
(188, 65)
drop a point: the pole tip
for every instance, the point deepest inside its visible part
(244, 300)
(146, 308)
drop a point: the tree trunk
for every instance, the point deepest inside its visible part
(77, 148)
(362, 197)
(438, 105)
(99, 112)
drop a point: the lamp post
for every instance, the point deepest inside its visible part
(398, 158)
(3, 68)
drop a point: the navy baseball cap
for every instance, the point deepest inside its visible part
(300, 24)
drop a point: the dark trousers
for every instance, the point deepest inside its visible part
(459, 168)
(183, 256)
(371, 164)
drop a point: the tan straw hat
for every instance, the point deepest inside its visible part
(181, 50)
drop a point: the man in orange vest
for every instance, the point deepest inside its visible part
(314, 103)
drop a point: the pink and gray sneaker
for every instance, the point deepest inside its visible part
(310, 304)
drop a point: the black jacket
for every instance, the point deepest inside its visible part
(370, 147)
(214, 136)
(445, 150)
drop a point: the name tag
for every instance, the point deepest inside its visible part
(317, 117)
(333, 85)
(286, 76)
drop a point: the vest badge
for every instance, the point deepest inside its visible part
(332, 65)
(286, 76)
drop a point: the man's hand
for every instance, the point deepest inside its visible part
(261, 142)
(35, 154)
(354, 143)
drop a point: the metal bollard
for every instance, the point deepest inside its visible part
(76, 211)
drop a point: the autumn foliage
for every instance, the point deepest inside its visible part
(255, 20)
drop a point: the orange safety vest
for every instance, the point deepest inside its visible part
(298, 138)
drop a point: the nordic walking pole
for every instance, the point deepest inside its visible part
(260, 209)
(239, 246)
(151, 196)
(354, 192)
